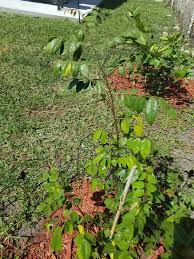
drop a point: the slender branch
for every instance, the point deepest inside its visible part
(105, 79)
(78, 7)
(122, 201)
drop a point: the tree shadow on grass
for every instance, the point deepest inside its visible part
(113, 4)
(107, 4)
(183, 245)
(52, 2)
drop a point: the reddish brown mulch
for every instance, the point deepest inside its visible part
(92, 203)
(89, 206)
(179, 94)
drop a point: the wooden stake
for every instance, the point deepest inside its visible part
(122, 201)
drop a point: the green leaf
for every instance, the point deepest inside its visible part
(122, 162)
(54, 205)
(68, 227)
(181, 73)
(131, 161)
(129, 231)
(136, 35)
(47, 211)
(155, 62)
(114, 163)
(136, 146)
(128, 218)
(76, 200)
(75, 217)
(41, 207)
(75, 50)
(78, 52)
(87, 219)
(123, 245)
(151, 179)
(56, 241)
(138, 193)
(125, 255)
(102, 170)
(138, 185)
(84, 70)
(133, 34)
(90, 238)
(109, 249)
(143, 176)
(151, 110)
(151, 188)
(57, 67)
(99, 88)
(121, 71)
(167, 108)
(145, 148)
(100, 17)
(66, 213)
(80, 35)
(146, 208)
(130, 66)
(119, 40)
(121, 173)
(171, 219)
(84, 250)
(104, 137)
(139, 104)
(98, 158)
(97, 135)
(75, 69)
(129, 101)
(109, 203)
(136, 12)
(130, 13)
(136, 103)
(54, 45)
(94, 184)
(79, 239)
(45, 176)
(141, 39)
(141, 224)
(125, 125)
(129, 143)
(65, 91)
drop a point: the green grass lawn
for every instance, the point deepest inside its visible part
(40, 127)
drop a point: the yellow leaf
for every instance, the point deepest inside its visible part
(81, 229)
(68, 70)
(113, 243)
(138, 129)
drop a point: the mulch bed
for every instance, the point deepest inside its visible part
(90, 205)
(179, 95)
(39, 247)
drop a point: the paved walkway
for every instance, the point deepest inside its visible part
(185, 155)
(48, 10)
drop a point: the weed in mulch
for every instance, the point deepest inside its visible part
(180, 94)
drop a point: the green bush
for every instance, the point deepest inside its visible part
(143, 208)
